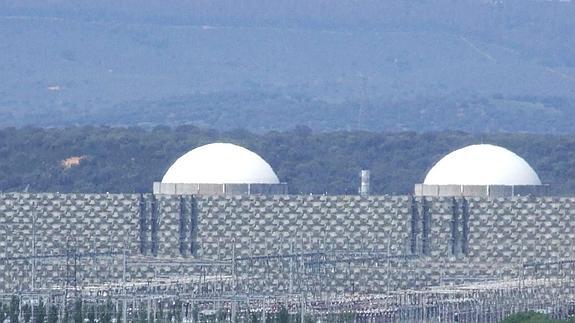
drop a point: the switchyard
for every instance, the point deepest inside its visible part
(218, 293)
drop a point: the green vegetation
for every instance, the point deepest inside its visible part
(283, 315)
(14, 311)
(40, 312)
(171, 312)
(533, 317)
(27, 312)
(52, 315)
(78, 311)
(128, 160)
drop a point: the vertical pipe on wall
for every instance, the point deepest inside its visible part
(465, 227)
(155, 224)
(414, 226)
(193, 225)
(183, 226)
(426, 227)
(454, 227)
(143, 224)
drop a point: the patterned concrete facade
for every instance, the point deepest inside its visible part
(283, 242)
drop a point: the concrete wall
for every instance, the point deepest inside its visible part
(83, 222)
(219, 189)
(483, 191)
(493, 191)
(450, 190)
(430, 239)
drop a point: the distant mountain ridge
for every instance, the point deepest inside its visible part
(370, 65)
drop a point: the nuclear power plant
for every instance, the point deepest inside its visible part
(219, 239)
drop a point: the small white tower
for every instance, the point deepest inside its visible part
(364, 187)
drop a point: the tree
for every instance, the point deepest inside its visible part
(91, 314)
(530, 317)
(78, 315)
(40, 312)
(3, 311)
(176, 311)
(143, 314)
(27, 312)
(221, 315)
(283, 315)
(119, 313)
(195, 313)
(106, 312)
(14, 309)
(53, 314)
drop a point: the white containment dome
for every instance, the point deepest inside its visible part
(482, 165)
(221, 163)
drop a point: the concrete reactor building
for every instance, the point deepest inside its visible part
(481, 170)
(220, 168)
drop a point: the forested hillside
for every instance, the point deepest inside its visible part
(103, 159)
(426, 65)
